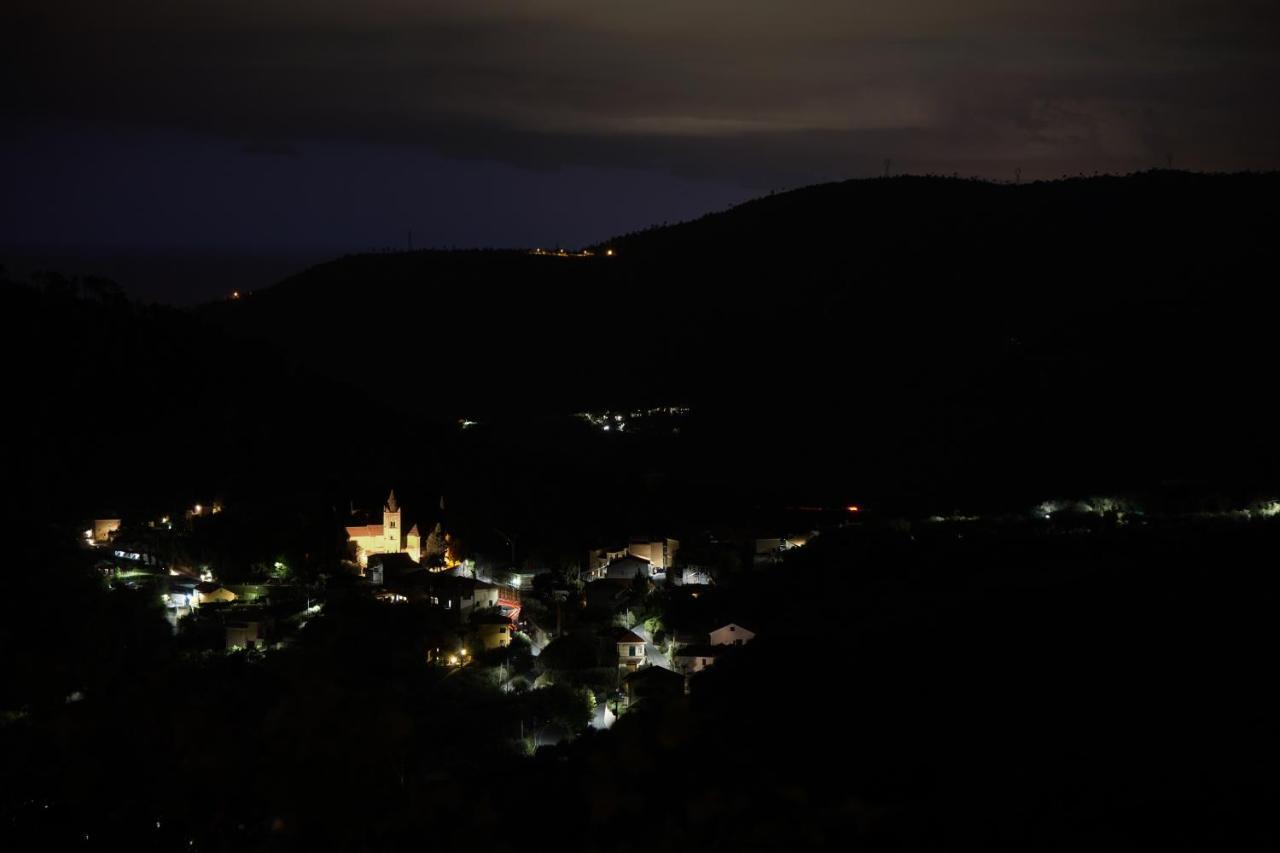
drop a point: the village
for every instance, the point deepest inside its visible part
(415, 662)
(621, 626)
(633, 621)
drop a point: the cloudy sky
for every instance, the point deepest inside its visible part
(309, 127)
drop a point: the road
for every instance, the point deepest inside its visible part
(652, 654)
(603, 717)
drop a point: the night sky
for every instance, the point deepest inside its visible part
(184, 145)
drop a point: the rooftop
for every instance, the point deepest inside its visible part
(622, 635)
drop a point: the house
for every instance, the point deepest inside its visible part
(395, 570)
(731, 635)
(598, 558)
(660, 554)
(695, 652)
(182, 592)
(771, 548)
(630, 649)
(523, 578)
(491, 631)
(696, 657)
(653, 682)
(463, 596)
(692, 576)
(104, 530)
(212, 593)
(389, 537)
(246, 634)
(628, 567)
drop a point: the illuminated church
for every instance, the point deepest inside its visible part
(385, 538)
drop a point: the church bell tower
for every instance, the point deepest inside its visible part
(392, 534)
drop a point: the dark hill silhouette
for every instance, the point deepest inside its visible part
(903, 332)
(124, 408)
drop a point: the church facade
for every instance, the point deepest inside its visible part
(389, 537)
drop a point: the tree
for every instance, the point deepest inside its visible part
(436, 546)
(568, 653)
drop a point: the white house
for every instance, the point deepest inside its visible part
(630, 649)
(628, 568)
(661, 553)
(732, 634)
(695, 658)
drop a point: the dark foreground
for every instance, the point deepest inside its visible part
(943, 687)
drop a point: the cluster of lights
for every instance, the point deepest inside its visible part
(617, 421)
(565, 253)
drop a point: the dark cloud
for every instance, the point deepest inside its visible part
(758, 92)
(544, 122)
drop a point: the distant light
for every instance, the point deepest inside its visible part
(608, 253)
(854, 508)
(235, 294)
(199, 509)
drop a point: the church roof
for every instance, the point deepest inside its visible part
(391, 505)
(413, 531)
(364, 530)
